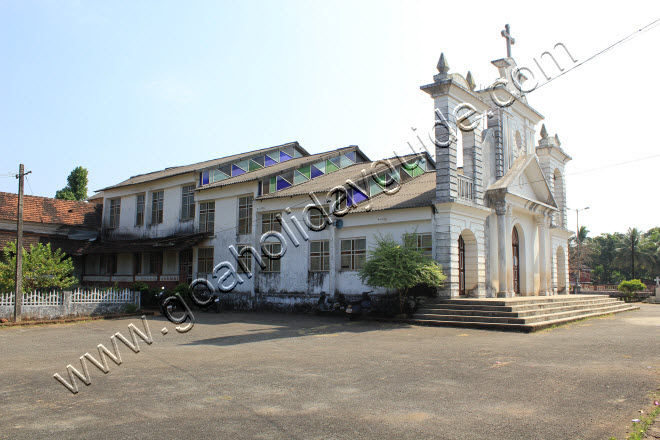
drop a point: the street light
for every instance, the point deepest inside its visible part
(577, 238)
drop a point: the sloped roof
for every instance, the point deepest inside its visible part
(283, 166)
(328, 181)
(415, 193)
(69, 247)
(52, 211)
(175, 171)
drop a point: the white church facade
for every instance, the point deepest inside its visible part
(497, 224)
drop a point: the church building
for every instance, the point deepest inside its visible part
(496, 224)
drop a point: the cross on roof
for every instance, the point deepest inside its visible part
(506, 33)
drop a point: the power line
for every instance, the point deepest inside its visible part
(612, 46)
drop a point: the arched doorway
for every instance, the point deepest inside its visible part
(461, 266)
(515, 245)
(561, 271)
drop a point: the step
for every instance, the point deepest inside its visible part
(516, 308)
(515, 319)
(516, 301)
(526, 328)
(506, 312)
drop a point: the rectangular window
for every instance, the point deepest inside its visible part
(246, 258)
(245, 215)
(155, 262)
(271, 264)
(316, 219)
(139, 210)
(353, 253)
(108, 264)
(206, 216)
(319, 256)
(157, 207)
(115, 209)
(420, 242)
(188, 202)
(269, 223)
(204, 261)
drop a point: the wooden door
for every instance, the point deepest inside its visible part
(516, 261)
(461, 266)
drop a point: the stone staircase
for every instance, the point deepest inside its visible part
(523, 314)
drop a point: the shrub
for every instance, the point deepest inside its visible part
(630, 287)
(401, 268)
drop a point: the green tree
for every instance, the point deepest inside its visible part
(394, 266)
(76, 188)
(633, 251)
(603, 254)
(43, 269)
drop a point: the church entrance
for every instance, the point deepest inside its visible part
(516, 261)
(461, 266)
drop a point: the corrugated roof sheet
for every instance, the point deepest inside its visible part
(328, 181)
(283, 166)
(415, 193)
(175, 171)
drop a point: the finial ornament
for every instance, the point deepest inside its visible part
(506, 33)
(558, 141)
(470, 80)
(443, 67)
(544, 132)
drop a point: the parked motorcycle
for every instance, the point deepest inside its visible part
(362, 307)
(327, 304)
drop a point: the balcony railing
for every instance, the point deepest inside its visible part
(465, 187)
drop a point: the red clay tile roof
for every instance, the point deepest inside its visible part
(52, 211)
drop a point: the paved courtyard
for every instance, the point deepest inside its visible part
(276, 376)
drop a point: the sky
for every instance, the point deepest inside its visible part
(128, 87)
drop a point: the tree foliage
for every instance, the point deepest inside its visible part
(399, 267)
(615, 257)
(43, 269)
(76, 188)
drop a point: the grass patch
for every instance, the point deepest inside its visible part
(638, 429)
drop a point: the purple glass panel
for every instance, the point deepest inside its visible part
(281, 183)
(349, 197)
(316, 172)
(351, 155)
(284, 156)
(269, 161)
(236, 171)
(358, 196)
(205, 178)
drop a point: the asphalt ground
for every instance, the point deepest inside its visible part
(278, 376)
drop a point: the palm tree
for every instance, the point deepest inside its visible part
(632, 250)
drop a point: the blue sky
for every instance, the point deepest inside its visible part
(124, 88)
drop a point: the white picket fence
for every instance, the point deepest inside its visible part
(79, 296)
(102, 296)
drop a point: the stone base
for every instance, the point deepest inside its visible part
(505, 294)
(545, 292)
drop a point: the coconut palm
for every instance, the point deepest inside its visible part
(633, 250)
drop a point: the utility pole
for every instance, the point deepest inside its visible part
(18, 297)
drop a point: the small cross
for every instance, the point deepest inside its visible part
(506, 33)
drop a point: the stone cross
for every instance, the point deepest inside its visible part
(657, 281)
(506, 33)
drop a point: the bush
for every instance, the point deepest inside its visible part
(401, 268)
(131, 308)
(139, 286)
(630, 287)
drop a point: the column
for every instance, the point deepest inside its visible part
(543, 256)
(500, 210)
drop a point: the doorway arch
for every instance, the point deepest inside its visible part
(467, 263)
